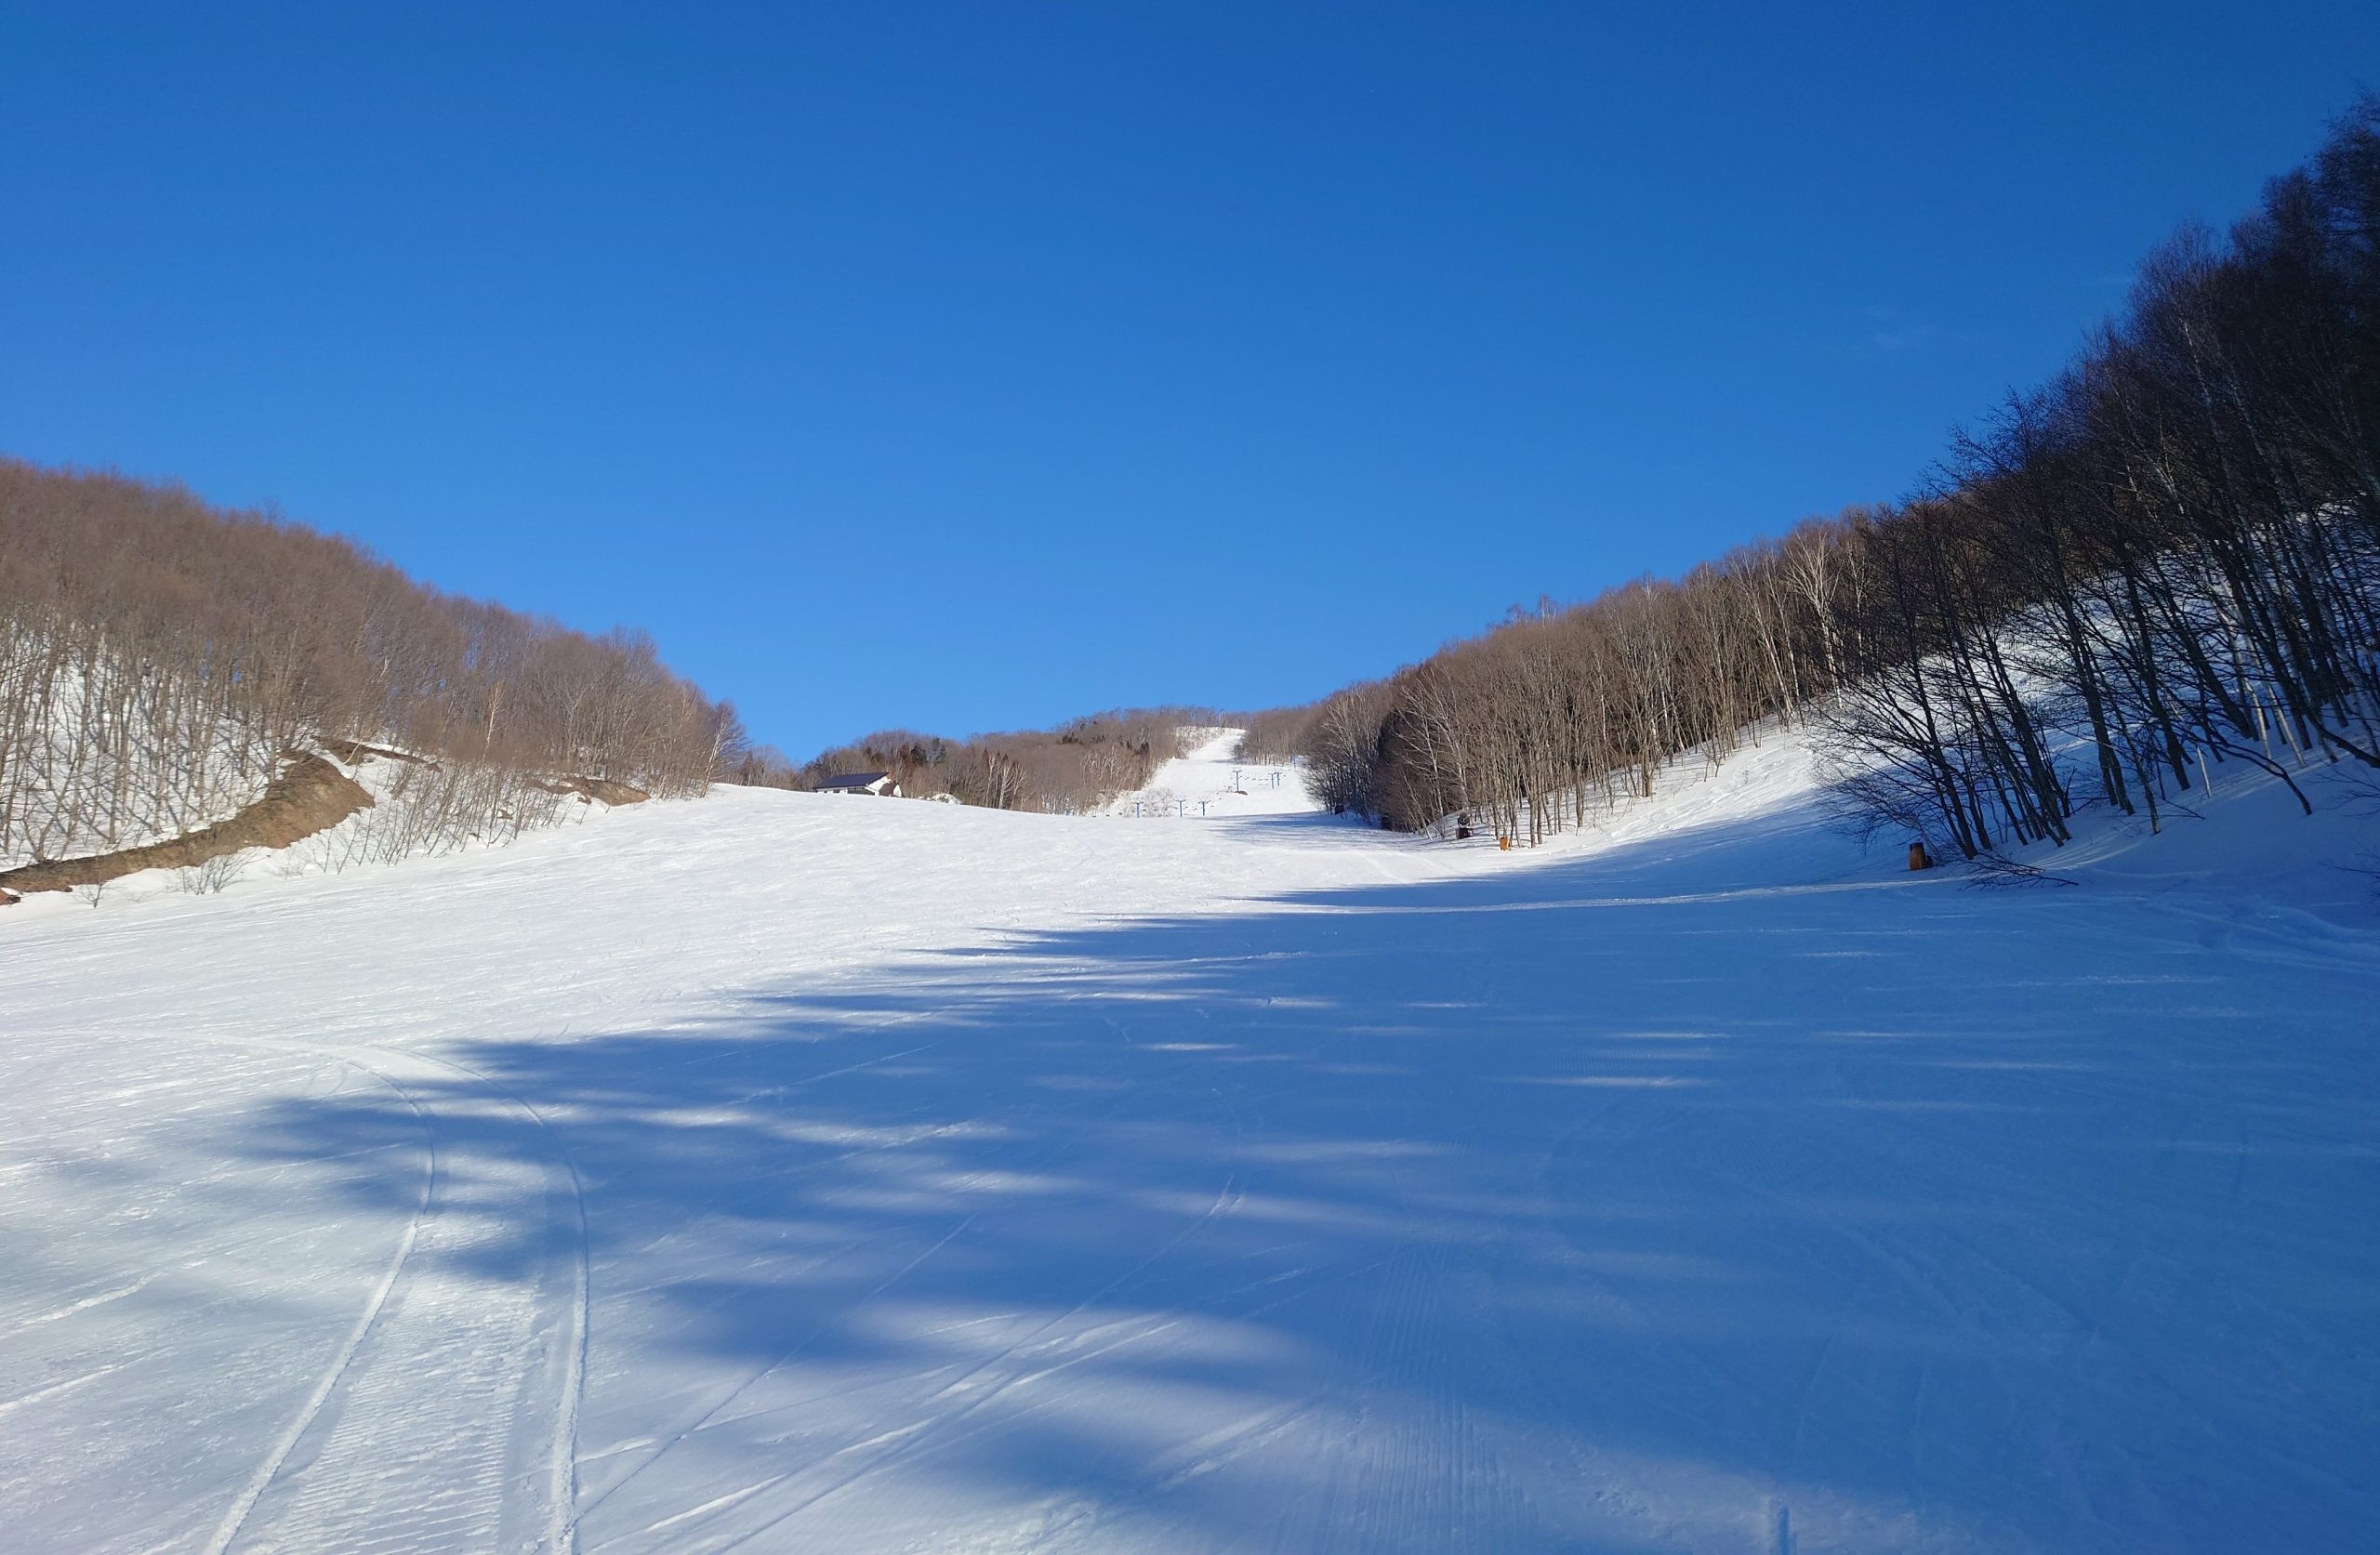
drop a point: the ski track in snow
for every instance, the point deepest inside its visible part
(453, 1374)
(778, 1172)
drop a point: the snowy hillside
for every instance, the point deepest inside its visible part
(1210, 782)
(782, 1172)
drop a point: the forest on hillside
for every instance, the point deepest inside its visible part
(161, 657)
(2164, 561)
(1068, 771)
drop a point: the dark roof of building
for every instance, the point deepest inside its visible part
(853, 780)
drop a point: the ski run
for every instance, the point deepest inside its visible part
(786, 1172)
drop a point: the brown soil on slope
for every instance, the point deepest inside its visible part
(309, 796)
(355, 753)
(595, 788)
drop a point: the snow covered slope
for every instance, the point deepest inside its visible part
(1210, 782)
(777, 1172)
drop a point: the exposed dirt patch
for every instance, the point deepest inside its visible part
(309, 796)
(355, 753)
(595, 788)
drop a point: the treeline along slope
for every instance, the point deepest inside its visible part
(1070, 770)
(2165, 561)
(159, 657)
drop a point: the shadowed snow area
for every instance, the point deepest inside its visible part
(777, 1172)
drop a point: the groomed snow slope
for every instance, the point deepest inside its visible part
(1208, 782)
(789, 1173)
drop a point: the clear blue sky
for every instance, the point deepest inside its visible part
(969, 366)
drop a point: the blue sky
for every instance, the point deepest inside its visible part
(966, 367)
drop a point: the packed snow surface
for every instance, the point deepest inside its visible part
(776, 1172)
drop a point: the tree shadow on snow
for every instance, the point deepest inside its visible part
(1621, 1203)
